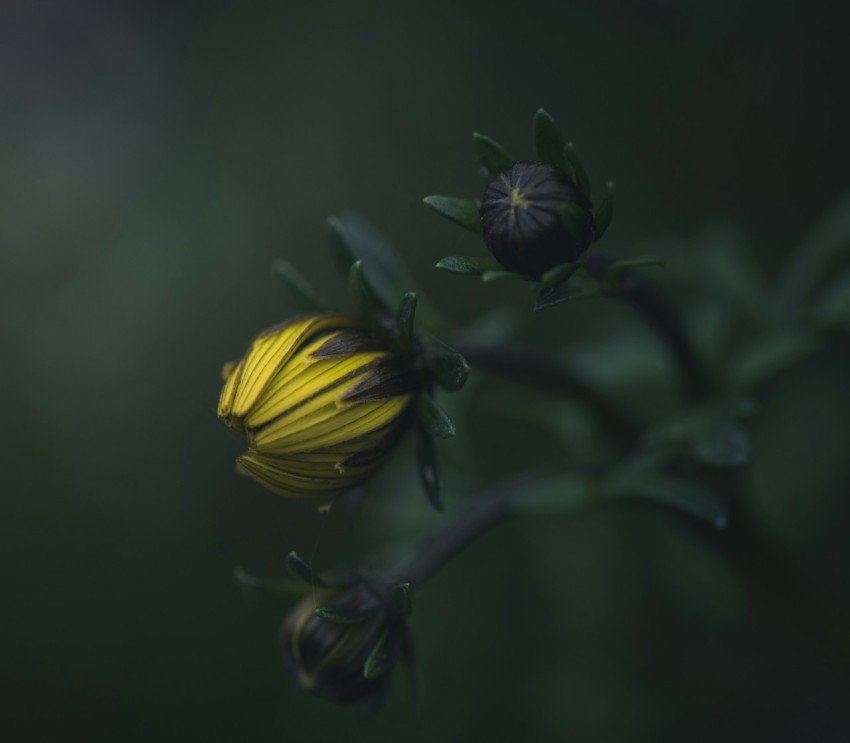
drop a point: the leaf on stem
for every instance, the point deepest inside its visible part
(559, 273)
(617, 267)
(469, 265)
(335, 615)
(434, 419)
(363, 293)
(450, 368)
(406, 317)
(581, 179)
(352, 238)
(282, 588)
(578, 287)
(401, 596)
(501, 274)
(763, 357)
(492, 156)
(463, 212)
(688, 496)
(604, 213)
(429, 472)
(832, 307)
(548, 140)
(304, 296)
(376, 663)
(303, 570)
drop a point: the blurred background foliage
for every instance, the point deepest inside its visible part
(158, 156)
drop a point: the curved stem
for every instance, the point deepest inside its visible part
(659, 312)
(531, 367)
(487, 510)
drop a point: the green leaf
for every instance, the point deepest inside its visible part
(304, 296)
(492, 156)
(582, 181)
(401, 596)
(335, 616)
(303, 570)
(764, 357)
(548, 140)
(576, 221)
(352, 238)
(365, 298)
(282, 588)
(578, 287)
(376, 663)
(469, 265)
(406, 316)
(688, 496)
(501, 274)
(429, 472)
(605, 213)
(450, 368)
(822, 255)
(460, 211)
(832, 308)
(556, 494)
(617, 267)
(559, 273)
(725, 443)
(710, 434)
(434, 419)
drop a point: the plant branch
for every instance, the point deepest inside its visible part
(659, 312)
(486, 511)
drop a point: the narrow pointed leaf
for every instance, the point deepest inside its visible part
(832, 307)
(724, 443)
(469, 265)
(282, 588)
(330, 614)
(764, 357)
(559, 273)
(450, 368)
(401, 596)
(434, 419)
(406, 316)
(548, 140)
(353, 238)
(617, 267)
(303, 570)
(304, 296)
(429, 472)
(582, 181)
(376, 663)
(363, 294)
(605, 213)
(576, 221)
(500, 275)
(688, 496)
(578, 287)
(463, 212)
(492, 156)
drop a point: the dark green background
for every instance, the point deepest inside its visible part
(157, 156)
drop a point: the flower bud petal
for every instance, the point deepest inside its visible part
(320, 402)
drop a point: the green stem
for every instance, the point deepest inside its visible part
(486, 511)
(658, 311)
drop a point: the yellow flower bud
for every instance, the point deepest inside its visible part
(320, 401)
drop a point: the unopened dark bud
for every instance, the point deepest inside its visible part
(331, 656)
(524, 222)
